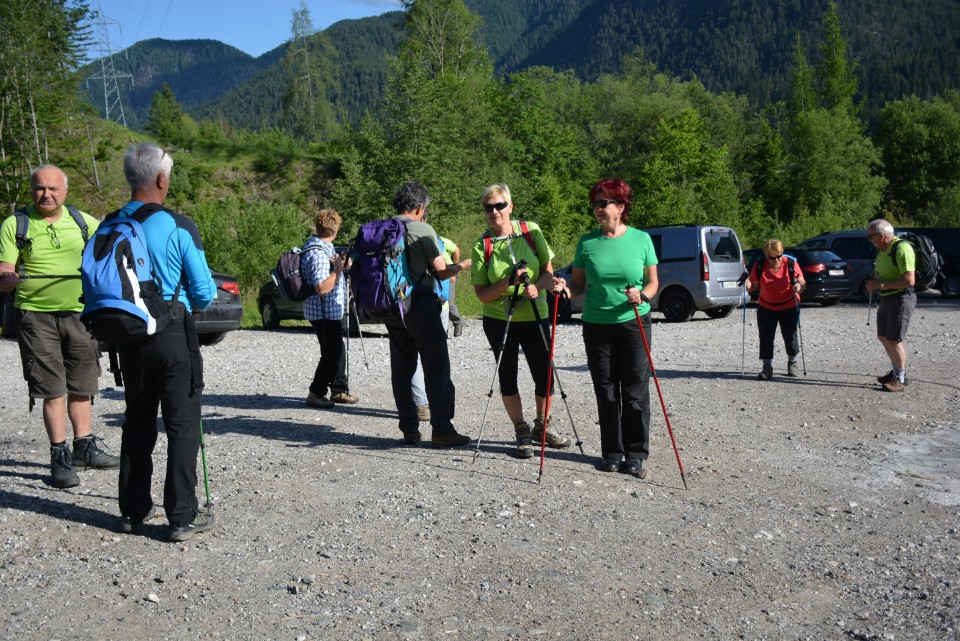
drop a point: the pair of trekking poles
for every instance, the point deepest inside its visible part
(552, 373)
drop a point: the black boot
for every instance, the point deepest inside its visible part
(62, 474)
(87, 453)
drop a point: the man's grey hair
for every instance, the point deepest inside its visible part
(42, 167)
(410, 196)
(143, 163)
(880, 226)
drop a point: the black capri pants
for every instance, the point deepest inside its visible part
(525, 334)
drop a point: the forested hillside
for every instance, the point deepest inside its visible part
(198, 71)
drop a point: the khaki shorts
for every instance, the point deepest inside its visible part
(59, 355)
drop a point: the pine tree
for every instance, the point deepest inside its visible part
(306, 106)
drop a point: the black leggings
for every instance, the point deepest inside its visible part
(767, 322)
(525, 334)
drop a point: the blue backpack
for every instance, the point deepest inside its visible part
(379, 278)
(122, 296)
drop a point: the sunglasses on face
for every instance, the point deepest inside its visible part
(774, 257)
(489, 207)
(603, 204)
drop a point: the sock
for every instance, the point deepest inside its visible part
(901, 374)
(768, 361)
(82, 438)
(792, 359)
(60, 444)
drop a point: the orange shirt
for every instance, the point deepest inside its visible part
(776, 292)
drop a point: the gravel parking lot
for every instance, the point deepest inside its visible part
(817, 508)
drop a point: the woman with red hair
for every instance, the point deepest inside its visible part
(617, 267)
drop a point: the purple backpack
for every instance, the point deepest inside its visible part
(379, 278)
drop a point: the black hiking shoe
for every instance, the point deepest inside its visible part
(766, 373)
(87, 453)
(412, 437)
(62, 474)
(202, 521)
(524, 441)
(130, 525)
(609, 464)
(451, 439)
(634, 467)
(889, 378)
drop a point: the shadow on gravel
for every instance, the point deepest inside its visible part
(61, 510)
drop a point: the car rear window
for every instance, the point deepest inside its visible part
(814, 257)
(722, 245)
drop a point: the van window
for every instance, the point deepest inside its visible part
(674, 247)
(852, 248)
(722, 246)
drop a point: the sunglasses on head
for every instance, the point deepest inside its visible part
(489, 207)
(602, 204)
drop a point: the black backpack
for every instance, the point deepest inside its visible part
(289, 278)
(928, 262)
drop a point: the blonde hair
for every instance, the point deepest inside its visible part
(327, 222)
(772, 247)
(499, 189)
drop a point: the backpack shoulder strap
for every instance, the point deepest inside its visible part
(23, 222)
(81, 223)
(145, 211)
(487, 246)
(791, 266)
(525, 230)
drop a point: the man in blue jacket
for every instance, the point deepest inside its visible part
(166, 370)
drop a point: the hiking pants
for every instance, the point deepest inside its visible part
(423, 334)
(164, 373)
(526, 335)
(621, 382)
(788, 321)
(332, 369)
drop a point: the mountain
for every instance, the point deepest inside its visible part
(198, 71)
(902, 47)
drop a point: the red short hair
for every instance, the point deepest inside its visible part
(613, 189)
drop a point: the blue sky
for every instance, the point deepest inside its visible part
(253, 26)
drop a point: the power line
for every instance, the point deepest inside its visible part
(112, 105)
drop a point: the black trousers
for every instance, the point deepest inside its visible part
(163, 374)
(524, 335)
(767, 322)
(332, 369)
(422, 334)
(621, 382)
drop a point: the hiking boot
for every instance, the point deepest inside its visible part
(634, 467)
(457, 331)
(766, 373)
(320, 402)
(610, 463)
(62, 474)
(889, 377)
(423, 412)
(412, 438)
(451, 439)
(344, 397)
(792, 369)
(202, 521)
(129, 525)
(894, 386)
(554, 438)
(524, 442)
(87, 453)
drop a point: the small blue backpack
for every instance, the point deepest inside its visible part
(122, 296)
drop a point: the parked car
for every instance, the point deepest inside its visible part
(853, 246)
(275, 308)
(223, 315)
(698, 270)
(225, 312)
(828, 277)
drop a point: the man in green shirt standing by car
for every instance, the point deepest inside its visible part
(59, 355)
(893, 280)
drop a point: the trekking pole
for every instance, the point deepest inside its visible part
(356, 314)
(869, 306)
(206, 479)
(803, 353)
(29, 276)
(503, 343)
(552, 368)
(743, 333)
(550, 371)
(663, 405)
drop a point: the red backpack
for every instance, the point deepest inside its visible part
(488, 240)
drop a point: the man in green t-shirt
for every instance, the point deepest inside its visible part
(451, 254)
(893, 281)
(59, 356)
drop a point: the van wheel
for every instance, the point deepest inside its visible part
(211, 339)
(269, 316)
(829, 302)
(719, 312)
(676, 306)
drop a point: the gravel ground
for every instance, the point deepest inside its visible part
(817, 508)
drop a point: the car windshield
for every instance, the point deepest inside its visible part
(815, 257)
(722, 245)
